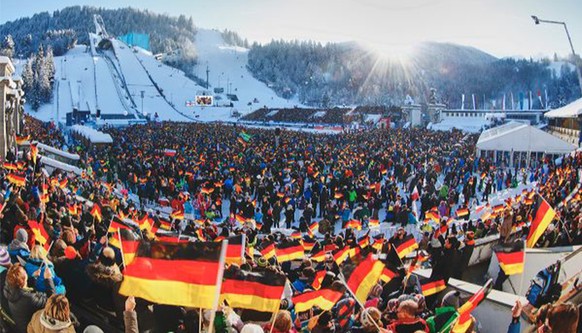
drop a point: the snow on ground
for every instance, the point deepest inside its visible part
(137, 81)
(472, 125)
(227, 70)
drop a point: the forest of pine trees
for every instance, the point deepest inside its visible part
(37, 76)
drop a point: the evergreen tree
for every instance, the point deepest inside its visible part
(7, 47)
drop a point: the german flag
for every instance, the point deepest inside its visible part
(44, 198)
(319, 276)
(73, 210)
(364, 241)
(324, 299)
(40, 234)
(462, 212)
(295, 235)
(511, 257)
(433, 214)
(319, 256)
(498, 208)
(177, 214)
(96, 212)
(289, 250)
(17, 180)
(462, 325)
(362, 277)
(251, 290)
(405, 245)
(240, 219)
(235, 250)
(200, 235)
(116, 224)
(387, 275)
(373, 223)
(33, 152)
(181, 274)
(163, 224)
(126, 245)
(10, 166)
(308, 243)
(21, 139)
(314, 227)
(63, 183)
(268, 251)
(354, 224)
(432, 287)
(341, 255)
(544, 216)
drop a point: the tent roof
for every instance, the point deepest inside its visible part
(516, 136)
(571, 110)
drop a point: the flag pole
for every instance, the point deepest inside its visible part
(200, 318)
(522, 279)
(342, 280)
(218, 284)
(273, 321)
(121, 247)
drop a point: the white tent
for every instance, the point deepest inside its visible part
(517, 142)
(571, 110)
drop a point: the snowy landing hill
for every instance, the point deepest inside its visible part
(126, 83)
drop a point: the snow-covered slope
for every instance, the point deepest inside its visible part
(103, 80)
(227, 70)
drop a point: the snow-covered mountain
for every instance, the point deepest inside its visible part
(113, 81)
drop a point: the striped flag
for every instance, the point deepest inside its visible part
(511, 257)
(177, 214)
(96, 212)
(324, 299)
(354, 224)
(464, 322)
(235, 249)
(255, 291)
(432, 287)
(341, 255)
(373, 223)
(180, 274)
(319, 276)
(314, 227)
(268, 251)
(319, 256)
(544, 216)
(17, 180)
(387, 275)
(461, 212)
(289, 250)
(405, 245)
(308, 243)
(21, 139)
(33, 152)
(126, 244)
(361, 278)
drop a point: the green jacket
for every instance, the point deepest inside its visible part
(442, 319)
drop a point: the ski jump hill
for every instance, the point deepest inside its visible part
(124, 84)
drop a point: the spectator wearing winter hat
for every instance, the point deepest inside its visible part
(446, 313)
(323, 323)
(343, 312)
(18, 247)
(106, 279)
(4, 266)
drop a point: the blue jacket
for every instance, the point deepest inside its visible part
(514, 327)
(32, 266)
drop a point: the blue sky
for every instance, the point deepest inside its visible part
(500, 27)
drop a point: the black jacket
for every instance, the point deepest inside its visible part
(23, 303)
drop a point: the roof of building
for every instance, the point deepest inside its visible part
(516, 136)
(571, 110)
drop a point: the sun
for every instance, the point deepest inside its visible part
(393, 52)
